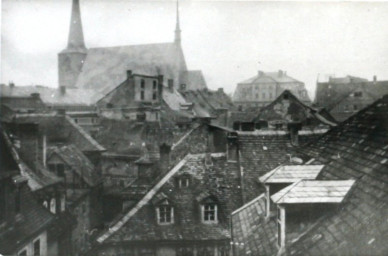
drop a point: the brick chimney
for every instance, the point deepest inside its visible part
(170, 84)
(11, 84)
(374, 78)
(260, 73)
(129, 74)
(164, 151)
(280, 73)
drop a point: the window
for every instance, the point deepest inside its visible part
(346, 108)
(165, 214)
(142, 84)
(185, 251)
(209, 213)
(37, 248)
(142, 95)
(58, 169)
(154, 85)
(23, 253)
(63, 203)
(154, 96)
(184, 182)
(263, 95)
(76, 120)
(45, 204)
(257, 95)
(355, 107)
(270, 95)
(53, 205)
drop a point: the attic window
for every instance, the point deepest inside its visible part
(209, 213)
(183, 182)
(165, 213)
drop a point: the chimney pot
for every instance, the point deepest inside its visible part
(280, 73)
(129, 73)
(220, 90)
(375, 78)
(11, 84)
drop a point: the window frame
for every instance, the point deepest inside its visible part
(206, 213)
(165, 216)
(37, 241)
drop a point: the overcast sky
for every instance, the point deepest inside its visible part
(228, 40)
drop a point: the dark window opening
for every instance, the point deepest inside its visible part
(37, 248)
(154, 96)
(210, 212)
(142, 84)
(154, 85)
(142, 95)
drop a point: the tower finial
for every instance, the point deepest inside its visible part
(76, 35)
(177, 28)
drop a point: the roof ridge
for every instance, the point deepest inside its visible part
(129, 45)
(143, 201)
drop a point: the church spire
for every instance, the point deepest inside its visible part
(177, 28)
(76, 35)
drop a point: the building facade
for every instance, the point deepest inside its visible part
(263, 88)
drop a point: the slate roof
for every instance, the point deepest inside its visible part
(217, 180)
(61, 127)
(356, 149)
(263, 151)
(193, 79)
(313, 191)
(22, 103)
(38, 178)
(33, 217)
(79, 163)
(106, 67)
(291, 173)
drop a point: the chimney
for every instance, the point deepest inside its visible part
(35, 95)
(374, 78)
(164, 151)
(294, 130)
(62, 89)
(171, 84)
(129, 73)
(260, 73)
(232, 147)
(280, 73)
(220, 90)
(144, 165)
(11, 84)
(160, 86)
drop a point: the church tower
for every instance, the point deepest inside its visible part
(71, 59)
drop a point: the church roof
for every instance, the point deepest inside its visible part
(106, 67)
(193, 79)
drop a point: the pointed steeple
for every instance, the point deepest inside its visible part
(76, 35)
(177, 28)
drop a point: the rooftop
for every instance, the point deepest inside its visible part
(291, 173)
(314, 191)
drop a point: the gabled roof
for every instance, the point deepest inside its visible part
(356, 150)
(79, 163)
(296, 111)
(267, 77)
(291, 173)
(61, 126)
(106, 67)
(313, 191)
(218, 181)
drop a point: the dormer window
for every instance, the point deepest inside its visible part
(209, 213)
(165, 213)
(183, 182)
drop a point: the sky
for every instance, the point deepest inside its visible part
(228, 40)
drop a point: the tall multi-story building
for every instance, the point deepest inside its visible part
(262, 89)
